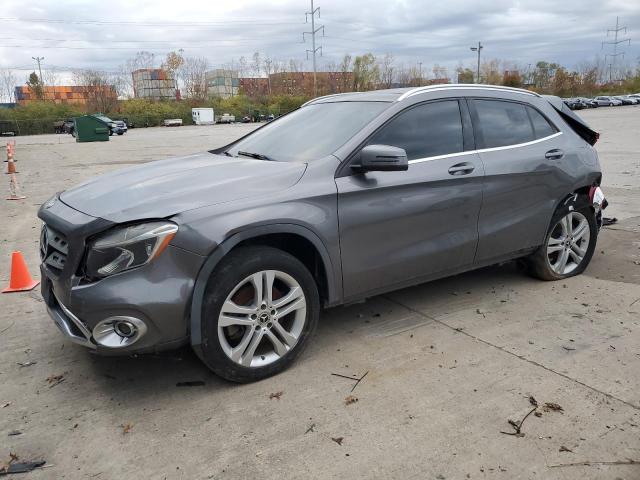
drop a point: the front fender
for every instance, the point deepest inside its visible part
(333, 288)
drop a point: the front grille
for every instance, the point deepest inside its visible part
(53, 249)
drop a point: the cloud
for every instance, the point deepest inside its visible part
(102, 35)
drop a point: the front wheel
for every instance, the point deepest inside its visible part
(260, 308)
(569, 244)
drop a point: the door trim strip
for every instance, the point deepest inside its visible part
(483, 150)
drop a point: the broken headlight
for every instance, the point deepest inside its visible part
(128, 247)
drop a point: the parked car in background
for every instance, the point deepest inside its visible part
(236, 250)
(588, 102)
(629, 98)
(605, 101)
(69, 125)
(576, 103)
(623, 100)
(115, 126)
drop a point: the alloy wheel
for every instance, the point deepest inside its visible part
(262, 318)
(568, 243)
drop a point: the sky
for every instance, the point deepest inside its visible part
(102, 35)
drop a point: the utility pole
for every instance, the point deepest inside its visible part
(314, 49)
(478, 49)
(39, 59)
(615, 44)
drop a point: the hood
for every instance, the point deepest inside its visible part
(167, 187)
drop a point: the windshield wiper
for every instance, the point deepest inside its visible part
(258, 156)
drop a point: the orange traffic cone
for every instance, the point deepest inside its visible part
(20, 280)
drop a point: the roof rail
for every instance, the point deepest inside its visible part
(429, 88)
(320, 98)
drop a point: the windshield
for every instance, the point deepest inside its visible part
(308, 133)
(104, 119)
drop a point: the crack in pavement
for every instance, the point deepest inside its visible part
(497, 347)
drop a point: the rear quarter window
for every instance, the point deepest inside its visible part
(541, 126)
(503, 123)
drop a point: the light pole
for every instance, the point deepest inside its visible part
(478, 49)
(39, 59)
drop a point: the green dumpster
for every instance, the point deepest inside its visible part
(90, 129)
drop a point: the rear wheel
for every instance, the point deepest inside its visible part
(569, 243)
(260, 308)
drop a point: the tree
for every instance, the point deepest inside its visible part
(465, 75)
(98, 89)
(172, 64)
(35, 85)
(387, 71)
(366, 73)
(193, 75)
(345, 71)
(512, 78)
(8, 82)
(142, 59)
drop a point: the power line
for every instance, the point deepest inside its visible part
(615, 44)
(145, 24)
(314, 49)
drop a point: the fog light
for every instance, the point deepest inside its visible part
(119, 332)
(125, 329)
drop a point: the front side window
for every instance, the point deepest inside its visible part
(309, 133)
(427, 130)
(503, 123)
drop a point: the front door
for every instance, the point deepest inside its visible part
(399, 227)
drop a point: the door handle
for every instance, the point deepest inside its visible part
(554, 154)
(461, 168)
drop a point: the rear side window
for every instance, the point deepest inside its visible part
(427, 130)
(541, 126)
(503, 123)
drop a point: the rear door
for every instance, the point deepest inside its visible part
(522, 153)
(396, 227)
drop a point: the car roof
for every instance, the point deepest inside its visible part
(400, 94)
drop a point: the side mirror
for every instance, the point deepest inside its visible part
(382, 158)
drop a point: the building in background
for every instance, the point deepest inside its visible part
(154, 83)
(254, 86)
(76, 94)
(222, 83)
(297, 83)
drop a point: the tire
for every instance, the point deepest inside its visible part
(227, 340)
(120, 133)
(110, 132)
(546, 262)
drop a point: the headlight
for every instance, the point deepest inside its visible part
(128, 247)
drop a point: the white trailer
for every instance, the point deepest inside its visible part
(202, 116)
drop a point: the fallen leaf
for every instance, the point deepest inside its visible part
(533, 401)
(338, 440)
(126, 428)
(350, 399)
(13, 433)
(55, 378)
(564, 449)
(550, 406)
(6, 405)
(276, 395)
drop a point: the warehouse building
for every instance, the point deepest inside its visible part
(76, 94)
(154, 83)
(222, 83)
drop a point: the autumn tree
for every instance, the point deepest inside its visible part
(98, 89)
(465, 75)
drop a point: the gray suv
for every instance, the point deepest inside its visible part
(235, 251)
